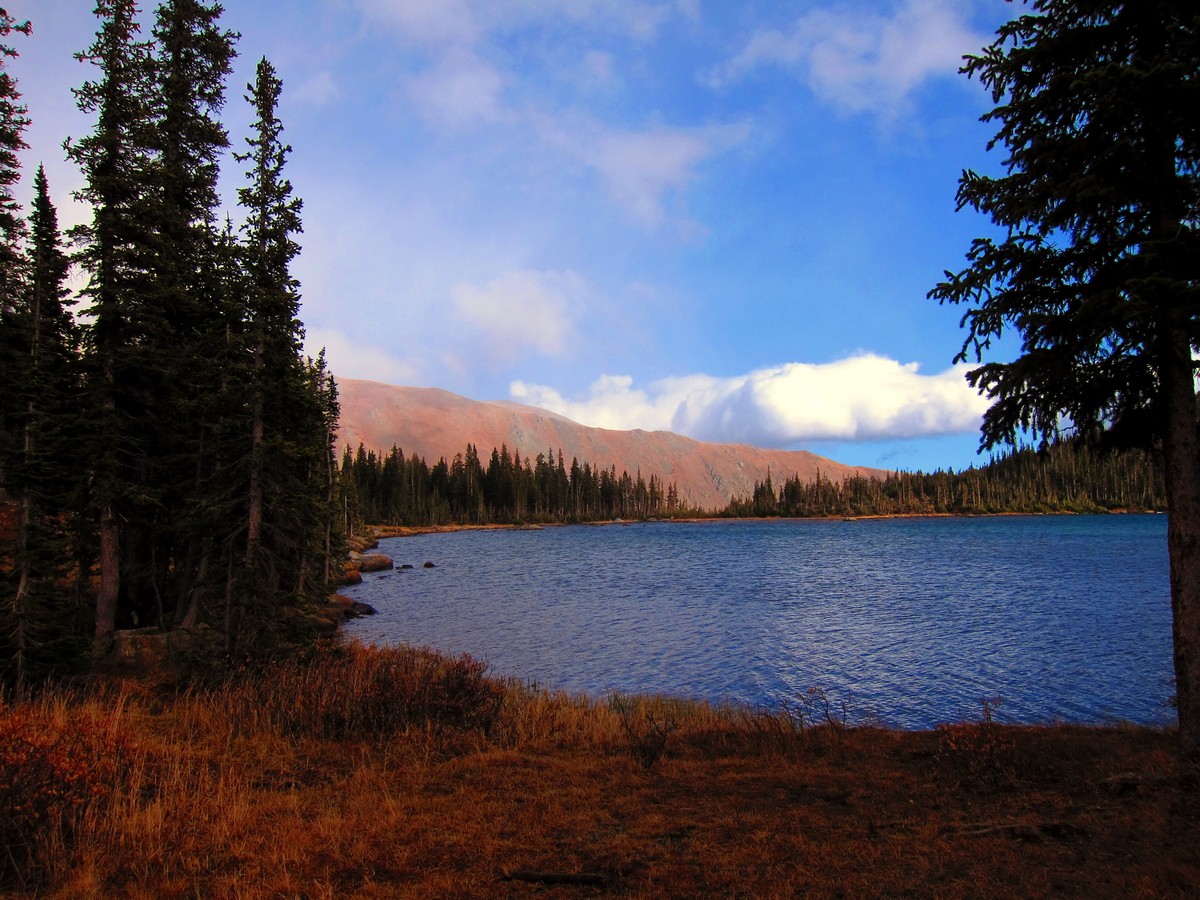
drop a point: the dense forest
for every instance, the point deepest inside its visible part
(1065, 477)
(166, 454)
(393, 489)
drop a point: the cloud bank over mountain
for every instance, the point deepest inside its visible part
(435, 424)
(861, 398)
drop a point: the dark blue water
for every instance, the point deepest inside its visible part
(912, 621)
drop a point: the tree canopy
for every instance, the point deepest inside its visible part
(1097, 262)
(172, 451)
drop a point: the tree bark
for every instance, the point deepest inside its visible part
(1181, 452)
(110, 581)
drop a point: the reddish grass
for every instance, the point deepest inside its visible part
(467, 787)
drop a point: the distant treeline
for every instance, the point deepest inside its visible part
(1065, 477)
(394, 489)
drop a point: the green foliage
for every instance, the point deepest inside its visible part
(1065, 477)
(199, 487)
(1096, 260)
(1099, 211)
(398, 490)
(41, 473)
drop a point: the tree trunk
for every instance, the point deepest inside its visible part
(1181, 451)
(20, 604)
(255, 512)
(110, 581)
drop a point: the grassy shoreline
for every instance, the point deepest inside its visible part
(373, 772)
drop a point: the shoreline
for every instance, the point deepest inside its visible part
(344, 775)
(382, 532)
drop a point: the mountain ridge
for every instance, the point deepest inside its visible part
(435, 423)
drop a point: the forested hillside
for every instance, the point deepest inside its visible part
(395, 489)
(433, 423)
(166, 452)
(1066, 477)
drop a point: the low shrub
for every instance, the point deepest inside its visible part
(647, 726)
(978, 754)
(367, 693)
(55, 765)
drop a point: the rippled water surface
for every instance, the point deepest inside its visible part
(911, 620)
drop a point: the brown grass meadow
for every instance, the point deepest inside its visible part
(362, 772)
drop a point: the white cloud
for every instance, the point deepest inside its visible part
(861, 398)
(319, 90)
(353, 359)
(863, 62)
(519, 311)
(598, 68)
(612, 402)
(468, 66)
(641, 168)
(460, 89)
(468, 22)
(432, 22)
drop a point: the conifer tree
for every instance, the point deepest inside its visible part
(193, 60)
(13, 122)
(160, 320)
(1098, 264)
(45, 473)
(119, 248)
(292, 404)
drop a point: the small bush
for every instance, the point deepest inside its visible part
(367, 693)
(647, 726)
(53, 769)
(978, 753)
(773, 731)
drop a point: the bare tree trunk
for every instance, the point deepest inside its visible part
(232, 620)
(110, 581)
(110, 534)
(255, 514)
(20, 604)
(331, 483)
(1181, 451)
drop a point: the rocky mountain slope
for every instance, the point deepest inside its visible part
(434, 423)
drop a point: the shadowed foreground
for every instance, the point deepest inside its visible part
(397, 773)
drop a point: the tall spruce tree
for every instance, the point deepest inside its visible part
(1097, 267)
(13, 358)
(193, 60)
(13, 122)
(160, 318)
(44, 472)
(287, 472)
(119, 250)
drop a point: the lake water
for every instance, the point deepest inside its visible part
(912, 621)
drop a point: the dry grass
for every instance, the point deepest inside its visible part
(372, 773)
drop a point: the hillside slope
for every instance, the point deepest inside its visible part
(434, 423)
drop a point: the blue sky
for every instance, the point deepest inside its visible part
(717, 218)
